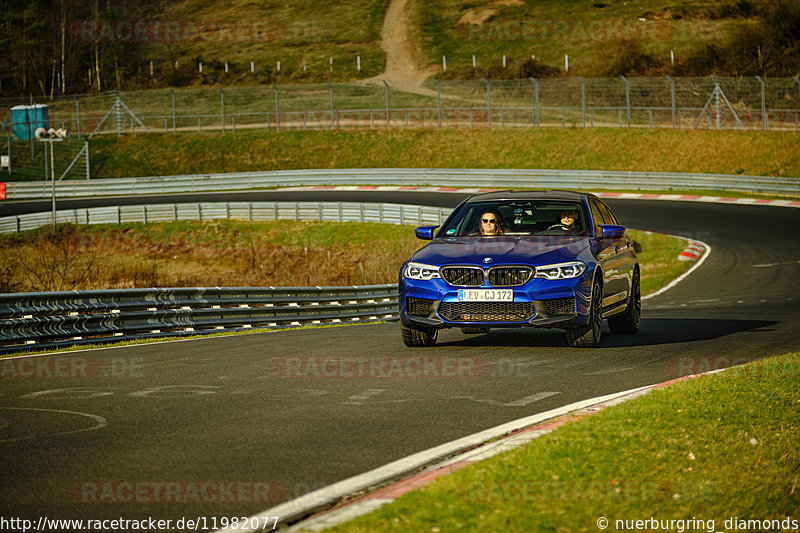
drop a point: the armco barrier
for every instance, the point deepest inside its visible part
(52, 319)
(503, 178)
(255, 211)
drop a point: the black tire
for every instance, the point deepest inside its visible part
(628, 322)
(588, 336)
(418, 337)
(475, 330)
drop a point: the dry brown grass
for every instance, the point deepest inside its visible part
(203, 254)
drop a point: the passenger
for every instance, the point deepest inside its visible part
(567, 218)
(490, 224)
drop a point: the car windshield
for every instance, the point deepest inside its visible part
(518, 217)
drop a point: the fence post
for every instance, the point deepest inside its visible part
(78, 114)
(86, 148)
(764, 117)
(488, 100)
(672, 99)
(333, 116)
(174, 126)
(222, 108)
(627, 99)
(583, 100)
(537, 120)
(277, 109)
(797, 80)
(438, 102)
(118, 109)
(386, 87)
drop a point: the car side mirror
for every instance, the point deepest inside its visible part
(425, 233)
(612, 231)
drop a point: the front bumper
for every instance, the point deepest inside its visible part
(537, 303)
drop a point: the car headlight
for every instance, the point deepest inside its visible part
(421, 271)
(573, 269)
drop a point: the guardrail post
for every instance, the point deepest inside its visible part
(764, 117)
(488, 100)
(627, 99)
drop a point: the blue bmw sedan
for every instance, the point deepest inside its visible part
(553, 259)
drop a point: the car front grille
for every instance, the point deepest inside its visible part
(509, 276)
(419, 306)
(487, 311)
(463, 276)
(466, 276)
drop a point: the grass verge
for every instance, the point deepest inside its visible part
(702, 449)
(748, 153)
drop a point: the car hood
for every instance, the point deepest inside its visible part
(501, 250)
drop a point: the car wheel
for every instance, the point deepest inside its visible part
(414, 337)
(588, 336)
(475, 331)
(628, 322)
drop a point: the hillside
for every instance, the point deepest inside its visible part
(130, 45)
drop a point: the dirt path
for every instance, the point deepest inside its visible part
(402, 59)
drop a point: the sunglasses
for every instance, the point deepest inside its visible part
(489, 221)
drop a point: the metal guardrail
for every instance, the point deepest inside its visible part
(46, 320)
(53, 319)
(255, 211)
(504, 178)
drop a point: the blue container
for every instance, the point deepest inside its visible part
(26, 118)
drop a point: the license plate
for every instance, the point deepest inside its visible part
(485, 295)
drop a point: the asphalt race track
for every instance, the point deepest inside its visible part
(229, 426)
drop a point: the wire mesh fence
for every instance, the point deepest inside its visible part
(680, 103)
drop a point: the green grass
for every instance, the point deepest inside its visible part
(710, 448)
(773, 154)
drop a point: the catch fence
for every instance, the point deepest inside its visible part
(680, 103)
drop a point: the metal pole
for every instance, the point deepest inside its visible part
(277, 110)
(78, 114)
(764, 117)
(438, 102)
(86, 146)
(488, 100)
(8, 137)
(536, 98)
(627, 99)
(672, 99)
(118, 109)
(174, 127)
(583, 100)
(717, 106)
(333, 112)
(222, 108)
(386, 86)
